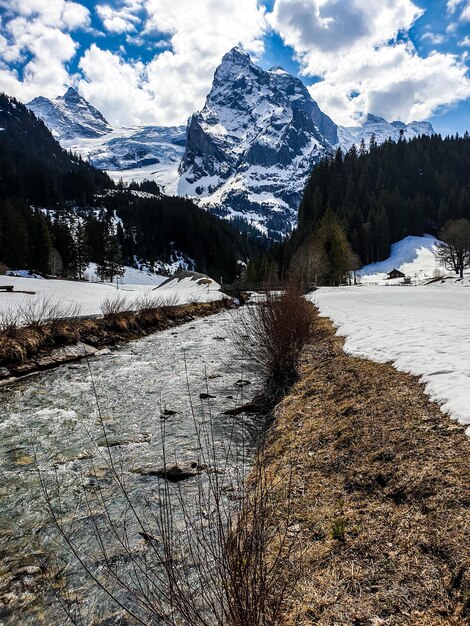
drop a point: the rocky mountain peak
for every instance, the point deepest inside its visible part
(257, 129)
(70, 116)
(71, 95)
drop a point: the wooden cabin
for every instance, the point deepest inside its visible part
(396, 274)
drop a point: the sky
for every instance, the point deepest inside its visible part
(152, 61)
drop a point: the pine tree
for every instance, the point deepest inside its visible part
(331, 238)
(111, 264)
(81, 251)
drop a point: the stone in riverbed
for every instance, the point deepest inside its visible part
(4, 372)
(110, 442)
(173, 473)
(72, 353)
(21, 370)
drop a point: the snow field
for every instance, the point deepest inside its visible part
(423, 330)
(414, 256)
(89, 297)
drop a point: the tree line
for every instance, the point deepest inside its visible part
(356, 204)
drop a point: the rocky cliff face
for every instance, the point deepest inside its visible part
(249, 150)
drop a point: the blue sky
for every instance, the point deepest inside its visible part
(152, 61)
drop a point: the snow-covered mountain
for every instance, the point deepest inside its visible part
(136, 153)
(382, 130)
(130, 153)
(252, 146)
(247, 153)
(70, 116)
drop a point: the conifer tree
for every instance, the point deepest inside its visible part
(81, 251)
(111, 263)
(331, 238)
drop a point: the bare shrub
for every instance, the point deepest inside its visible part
(27, 328)
(114, 305)
(46, 311)
(275, 332)
(9, 322)
(170, 300)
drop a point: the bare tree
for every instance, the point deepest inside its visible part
(309, 265)
(454, 250)
(354, 265)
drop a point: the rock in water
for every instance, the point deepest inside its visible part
(174, 473)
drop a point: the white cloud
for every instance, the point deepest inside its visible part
(358, 48)
(354, 47)
(322, 31)
(37, 33)
(54, 13)
(465, 42)
(393, 82)
(172, 85)
(465, 15)
(116, 87)
(454, 5)
(121, 20)
(434, 38)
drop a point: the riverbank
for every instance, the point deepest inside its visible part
(380, 496)
(41, 346)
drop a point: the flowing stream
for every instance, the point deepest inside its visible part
(62, 428)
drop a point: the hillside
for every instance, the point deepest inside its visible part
(34, 167)
(387, 192)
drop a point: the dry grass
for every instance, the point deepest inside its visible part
(380, 495)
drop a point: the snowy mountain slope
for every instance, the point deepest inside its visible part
(248, 153)
(136, 153)
(70, 116)
(370, 125)
(130, 153)
(254, 142)
(414, 256)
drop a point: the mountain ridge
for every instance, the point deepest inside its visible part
(248, 152)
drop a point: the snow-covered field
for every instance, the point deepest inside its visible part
(90, 296)
(423, 329)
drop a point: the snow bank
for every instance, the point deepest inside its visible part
(132, 276)
(90, 296)
(423, 330)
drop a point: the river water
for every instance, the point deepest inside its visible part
(60, 430)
